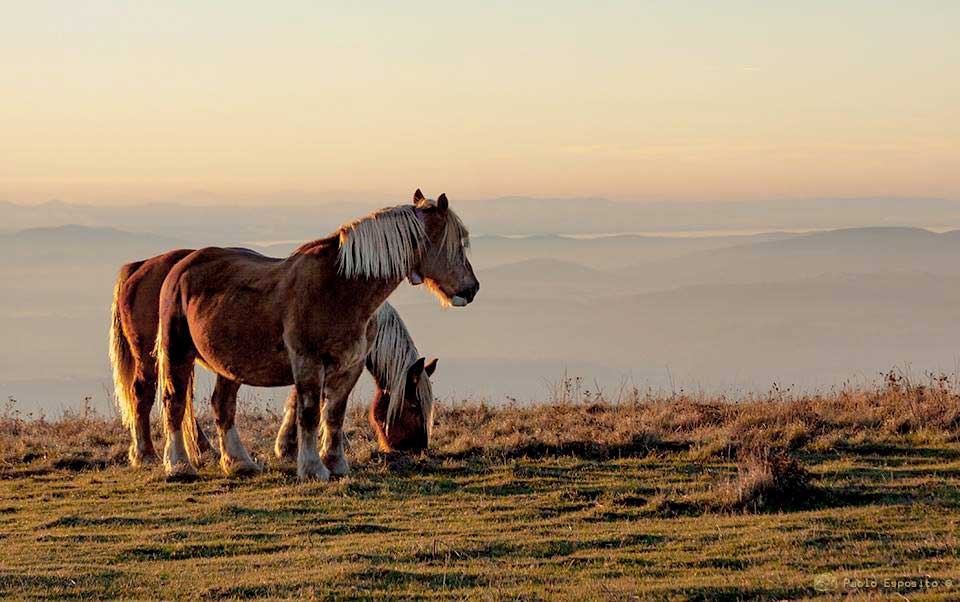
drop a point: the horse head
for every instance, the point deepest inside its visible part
(443, 264)
(410, 431)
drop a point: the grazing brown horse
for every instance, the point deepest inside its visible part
(303, 320)
(402, 410)
(411, 429)
(392, 362)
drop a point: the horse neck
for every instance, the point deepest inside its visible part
(367, 294)
(315, 268)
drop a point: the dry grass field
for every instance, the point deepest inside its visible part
(849, 493)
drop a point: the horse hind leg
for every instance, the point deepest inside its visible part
(234, 459)
(176, 359)
(285, 447)
(142, 452)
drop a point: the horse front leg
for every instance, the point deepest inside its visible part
(285, 447)
(337, 392)
(308, 375)
(141, 446)
(176, 382)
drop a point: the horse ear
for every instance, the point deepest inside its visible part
(442, 203)
(430, 367)
(413, 374)
(418, 196)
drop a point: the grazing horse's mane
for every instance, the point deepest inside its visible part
(386, 242)
(391, 355)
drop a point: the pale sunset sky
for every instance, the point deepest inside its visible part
(250, 102)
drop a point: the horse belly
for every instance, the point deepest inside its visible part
(253, 365)
(244, 351)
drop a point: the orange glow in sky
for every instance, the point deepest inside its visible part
(294, 101)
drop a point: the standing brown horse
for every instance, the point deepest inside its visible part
(303, 321)
(393, 363)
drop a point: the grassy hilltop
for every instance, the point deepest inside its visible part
(774, 497)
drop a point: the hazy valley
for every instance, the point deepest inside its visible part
(714, 312)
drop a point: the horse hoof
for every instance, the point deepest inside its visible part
(241, 469)
(143, 459)
(285, 453)
(181, 473)
(313, 471)
(338, 467)
(182, 477)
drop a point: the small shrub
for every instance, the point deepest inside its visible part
(766, 480)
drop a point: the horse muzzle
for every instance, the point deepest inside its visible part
(465, 296)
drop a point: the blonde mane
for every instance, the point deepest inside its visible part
(391, 355)
(383, 244)
(387, 242)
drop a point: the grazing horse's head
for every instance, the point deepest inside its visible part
(409, 430)
(443, 263)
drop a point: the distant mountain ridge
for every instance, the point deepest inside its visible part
(75, 232)
(76, 243)
(552, 256)
(855, 250)
(505, 215)
(546, 269)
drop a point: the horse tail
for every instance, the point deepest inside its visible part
(122, 360)
(189, 422)
(191, 435)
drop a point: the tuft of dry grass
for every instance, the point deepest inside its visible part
(766, 480)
